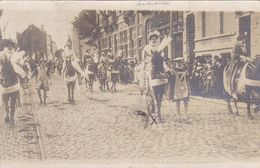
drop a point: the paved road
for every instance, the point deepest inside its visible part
(19, 143)
(104, 126)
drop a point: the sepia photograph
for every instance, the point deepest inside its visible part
(134, 84)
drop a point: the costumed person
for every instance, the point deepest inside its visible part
(154, 76)
(95, 57)
(181, 87)
(114, 72)
(102, 74)
(89, 71)
(109, 68)
(10, 74)
(71, 69)
(43, 81)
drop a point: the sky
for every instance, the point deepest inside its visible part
(55, 18)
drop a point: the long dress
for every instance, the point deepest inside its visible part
(146, 67)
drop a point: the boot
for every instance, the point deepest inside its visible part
(12, 125)
(159, 112)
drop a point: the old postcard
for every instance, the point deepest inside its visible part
(129, 84)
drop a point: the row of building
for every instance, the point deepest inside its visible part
(194, 33)
(37, 43)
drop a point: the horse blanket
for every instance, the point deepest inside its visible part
(241, 79)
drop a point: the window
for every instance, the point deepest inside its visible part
(123, 37)
(177, 16)
(221, 22)
(123, 43)
(203, 24)
(147, 28)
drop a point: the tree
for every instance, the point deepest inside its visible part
(1, 13)
(85, 23)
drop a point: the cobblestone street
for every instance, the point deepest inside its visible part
(104, 126)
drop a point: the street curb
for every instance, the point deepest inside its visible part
(209, 99)
(217, 101)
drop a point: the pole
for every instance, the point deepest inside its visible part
(137, 34)
(170, 48)
(79, 43)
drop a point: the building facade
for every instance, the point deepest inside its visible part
(215, 33)
(36, 43)
(126, 32)
(194, 34)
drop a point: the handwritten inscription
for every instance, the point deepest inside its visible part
(152, 3)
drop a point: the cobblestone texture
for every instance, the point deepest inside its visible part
(104, 126)
(19, 143)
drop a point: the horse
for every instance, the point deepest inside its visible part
(10, 88)
(246, 85)
(152, 88)
(102, 74)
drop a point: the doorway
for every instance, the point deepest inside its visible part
(245, 29)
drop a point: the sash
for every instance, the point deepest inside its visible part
(70, 79)
(157, 82)
(10, 89)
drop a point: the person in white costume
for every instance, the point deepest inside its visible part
(153, 76)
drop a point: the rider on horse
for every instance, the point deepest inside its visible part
(10, 71)
(70, 70)
(239, 57)
(154, 77)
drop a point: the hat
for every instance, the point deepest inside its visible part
(179, 59)
(240, 37)
(154, 34)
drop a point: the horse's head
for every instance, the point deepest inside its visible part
(253, 70)
(256, 62)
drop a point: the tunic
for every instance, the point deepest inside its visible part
(181, 87)
(43, 81)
